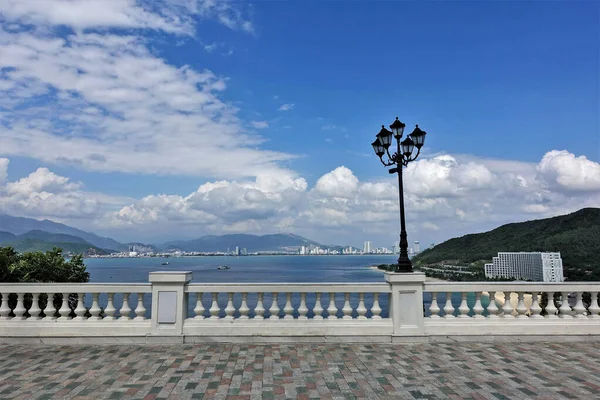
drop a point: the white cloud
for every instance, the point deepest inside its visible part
(3, 170)
(563, 171)
(286, 107)
(105, 102)
(47, 195)
(169, 16)
(259, 124)
(211, 47)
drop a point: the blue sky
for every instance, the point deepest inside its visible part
(497, 85)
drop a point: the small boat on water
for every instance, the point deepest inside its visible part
(223, 267)
(165, 263)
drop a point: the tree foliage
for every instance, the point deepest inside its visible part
(40, 267)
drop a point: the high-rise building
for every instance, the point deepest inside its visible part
(237, 250)
(303, 250)
(536, 266)
(417, 248)
(367, 247)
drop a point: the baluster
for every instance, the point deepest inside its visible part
(507, 308)
(492, 308)
(565, 309)
(95, 309)
(347, 309)
(50, 309)
(551, 310)
(109, 311)
(464, 307)
(140, 310)
(214, 307)
(302, 309)
(35, 310)
(274, 310)
(361, 309)
(593, 309)
(579, 308)
(64, 310)
(478, 308)
(318, 309)
(199, 309)
(20, 309)
(244, 310)
(449, 308)
(535, 308)
(125, 311)
(434, 309)
(259, 310)
(4, 308)
(80, 309)
(230, 309)
(375, 309)
(332, 309)
(521, 309)
(288, 309)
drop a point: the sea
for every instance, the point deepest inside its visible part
(250, 269)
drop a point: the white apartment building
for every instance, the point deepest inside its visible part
(536, 266)
(367, 247)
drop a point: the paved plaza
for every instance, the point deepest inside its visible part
(302, 371)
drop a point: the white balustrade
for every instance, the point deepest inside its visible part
(90, 302)
(315, 309)
(302, 301)
(528, 300)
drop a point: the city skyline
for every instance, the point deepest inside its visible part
(152, 121)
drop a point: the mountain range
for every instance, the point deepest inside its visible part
(28, 234)
(576, 236)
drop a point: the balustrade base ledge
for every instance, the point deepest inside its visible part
(194, 339)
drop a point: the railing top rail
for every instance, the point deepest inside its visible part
(511, 286)
(290, 287)
(75, 288)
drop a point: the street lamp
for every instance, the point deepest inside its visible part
(400, 158)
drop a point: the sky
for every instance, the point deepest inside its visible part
(163, 120)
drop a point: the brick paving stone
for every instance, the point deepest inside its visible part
(302, 371)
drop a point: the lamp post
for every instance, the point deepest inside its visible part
(399, 159)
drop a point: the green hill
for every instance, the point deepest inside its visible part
(576, 236)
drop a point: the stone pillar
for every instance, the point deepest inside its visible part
(169, 302)
(406, 303)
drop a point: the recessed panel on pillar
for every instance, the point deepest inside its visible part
(167, 307)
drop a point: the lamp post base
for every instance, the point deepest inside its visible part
(404, 265)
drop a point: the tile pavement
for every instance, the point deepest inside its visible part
(302, 371)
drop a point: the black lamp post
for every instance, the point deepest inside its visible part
(400, 158)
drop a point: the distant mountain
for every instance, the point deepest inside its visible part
(23, 245)
(7, 237)
(52, 237)
(576, 236)
(252, 243)
(21, 225)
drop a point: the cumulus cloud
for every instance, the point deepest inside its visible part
(286, 107)
(562, 170)
(102, 101)
(338, 208)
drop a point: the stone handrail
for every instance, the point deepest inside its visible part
(405, 308)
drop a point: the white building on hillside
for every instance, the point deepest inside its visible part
(535, 266)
